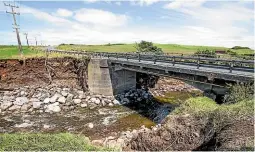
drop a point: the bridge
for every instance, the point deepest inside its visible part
(116, 72)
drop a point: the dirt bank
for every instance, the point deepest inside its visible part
(217, 127)
(41, 72)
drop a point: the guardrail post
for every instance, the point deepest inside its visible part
(139, 57)
(173, 60)
(154, 59)
(231, 66)
(198, 62)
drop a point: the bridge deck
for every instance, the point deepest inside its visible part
(188, 67)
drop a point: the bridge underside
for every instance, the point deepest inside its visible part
(110, 77)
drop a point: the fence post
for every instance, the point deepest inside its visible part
(173, 60)
(198, 62)
(139, 57)
(231, 66)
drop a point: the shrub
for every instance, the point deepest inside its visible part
(239, 92)
(147, 47)
(206, 53)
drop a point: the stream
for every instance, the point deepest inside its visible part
(98, 122)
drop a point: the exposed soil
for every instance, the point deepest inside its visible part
(188, 133)
(42, 72)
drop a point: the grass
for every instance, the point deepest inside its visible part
(167, 48)
(201, 106)
(11, 52)
(45, 142)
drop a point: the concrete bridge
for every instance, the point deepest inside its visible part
(112, 73)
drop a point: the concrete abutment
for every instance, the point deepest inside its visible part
(107, 80)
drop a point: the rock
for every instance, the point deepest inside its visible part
(25, 107)
(53, 108)
(61, 99)
(103, 103)
(20, 101)
(54, 97)
(34, 100)
(110, 104)
(77, 101)
(125, 100)
(24, 125)
(37, 105)
(84, 105)
(97, 142)
(116, 102)
(95, 100)
(90, 125)
(46, 126)
(8, 98)
(5, 104)
(14, 107)
(22, 93)
(69, 97)
(46, 100)
(64, 93)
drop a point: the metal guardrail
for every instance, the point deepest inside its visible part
(240, 65)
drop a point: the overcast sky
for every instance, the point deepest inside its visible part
(195, 22)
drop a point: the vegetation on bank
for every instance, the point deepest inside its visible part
(12, 52)
(45, 142)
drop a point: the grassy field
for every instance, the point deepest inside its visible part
(11, 52)
(167, 48)
(45, 142)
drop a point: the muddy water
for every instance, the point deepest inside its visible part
(107, 121)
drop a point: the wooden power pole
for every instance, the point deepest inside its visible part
(35, 41)
(15, 24)
(26, 38)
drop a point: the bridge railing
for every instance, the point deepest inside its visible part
(241, 65)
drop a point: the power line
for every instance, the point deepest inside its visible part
(15, 26)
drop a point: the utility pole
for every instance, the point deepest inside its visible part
(26, 38)
(15, 24)
(35, 41)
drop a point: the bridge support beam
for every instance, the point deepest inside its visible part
(106, 80)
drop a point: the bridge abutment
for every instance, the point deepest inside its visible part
(107, 80)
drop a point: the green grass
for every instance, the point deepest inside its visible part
(45, 142)
(167, 48)
(243, 51)
(11, 52)
(202, 106)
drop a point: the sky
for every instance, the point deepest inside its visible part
(190, 22)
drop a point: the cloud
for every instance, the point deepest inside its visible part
(228, 23)
(184, 3)
(44, 16)
(214, 26)
(143, 2)
(100, 17)
(118, 3)
(64, 12)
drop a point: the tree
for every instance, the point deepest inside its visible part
(147, 47)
